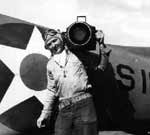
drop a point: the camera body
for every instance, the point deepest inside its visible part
(80, 35)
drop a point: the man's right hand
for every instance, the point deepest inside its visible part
(42, 120)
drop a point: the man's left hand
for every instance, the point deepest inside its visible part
(99, 35)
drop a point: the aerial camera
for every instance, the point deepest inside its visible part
(80, 35)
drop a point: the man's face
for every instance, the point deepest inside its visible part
(55, 45)
(54, 41)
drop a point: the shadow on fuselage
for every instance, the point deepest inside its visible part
(114, 109)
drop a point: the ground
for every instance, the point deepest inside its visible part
(113, 133)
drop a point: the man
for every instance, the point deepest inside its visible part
(67, 81)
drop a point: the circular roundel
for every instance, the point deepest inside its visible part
(33, 71)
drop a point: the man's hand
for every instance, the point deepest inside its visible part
(42, 120)
(99, 35)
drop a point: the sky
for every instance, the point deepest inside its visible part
(124, 22)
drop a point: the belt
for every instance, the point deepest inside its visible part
(70, 101)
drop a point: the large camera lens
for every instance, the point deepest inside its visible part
(79, 33)
(80, 36)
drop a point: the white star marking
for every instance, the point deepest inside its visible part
(12, 57)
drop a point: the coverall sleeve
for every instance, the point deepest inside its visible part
(50, 94)
(104, 58)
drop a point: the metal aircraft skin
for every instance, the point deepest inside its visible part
(23, 80)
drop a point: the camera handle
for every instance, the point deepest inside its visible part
(83, 17)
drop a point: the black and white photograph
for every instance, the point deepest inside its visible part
(74, 67)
